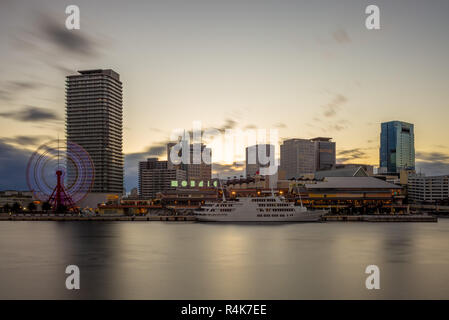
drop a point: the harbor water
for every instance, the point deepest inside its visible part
(186, 260)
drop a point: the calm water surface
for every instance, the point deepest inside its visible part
(163, 260)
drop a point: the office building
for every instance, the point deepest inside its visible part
(298, 157)
(397, 147)
(155, 177)
(325, 155)
(94, 121)
(423, 188)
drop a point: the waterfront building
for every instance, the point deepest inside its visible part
(354, 194)
(351, 171)
(258, 158)
(422, 188)
(94, 121)
(10, 197)
(325, 154)
(298, 157)
(397, 147)
(155, 177)
(369, 169)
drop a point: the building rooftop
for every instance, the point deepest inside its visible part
(321, 139)
(352, 183)
(108, 72)
(341, 172)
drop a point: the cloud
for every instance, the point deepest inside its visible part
(132, 162)
(70, 41)
(228, 170)
(31, 114)
(26, 140)
(432, 168)
(250, 126)
(341, 36)
(432, 163)
(280, 125)
(11, 88)
(432, 156)
(337, 127)
(331, 108)
(351, 155)
(51, 43)
(13, 164)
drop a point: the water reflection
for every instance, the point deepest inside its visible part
(156, 260)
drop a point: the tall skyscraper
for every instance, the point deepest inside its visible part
(257, 157)
(94, 121)
(298, 157)
(325, 153)
(397, 146)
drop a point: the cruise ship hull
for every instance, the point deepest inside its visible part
(309, 216)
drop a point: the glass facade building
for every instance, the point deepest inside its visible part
(397, 146)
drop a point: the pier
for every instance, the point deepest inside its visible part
(383, 218)
(68, 217)
(189, 218)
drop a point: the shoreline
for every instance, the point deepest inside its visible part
(187, 218)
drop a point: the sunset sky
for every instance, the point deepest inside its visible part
(306, 68)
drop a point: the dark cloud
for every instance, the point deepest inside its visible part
(332, 107)
(132, 162)
(229, 124)
(432, 168)
(31, 114)
(11, 88)
(250, 126)
(432, 157)
(351, 155)
(228, 170)
(26, 140)
(280, 125)
(70, 41)
(13, 164)
(337, 127)
(341, 36)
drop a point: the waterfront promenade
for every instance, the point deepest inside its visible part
(101, 217)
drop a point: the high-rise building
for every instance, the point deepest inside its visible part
(258, 157)
(197, 169)
(397, 147)
(94, 121)
(325, 155)
(155, 176)
(298, 157)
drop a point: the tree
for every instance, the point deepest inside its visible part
(32, 206)
(16, 207)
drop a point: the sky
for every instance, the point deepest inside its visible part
(305, 68)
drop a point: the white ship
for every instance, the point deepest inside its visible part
(256, 209)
